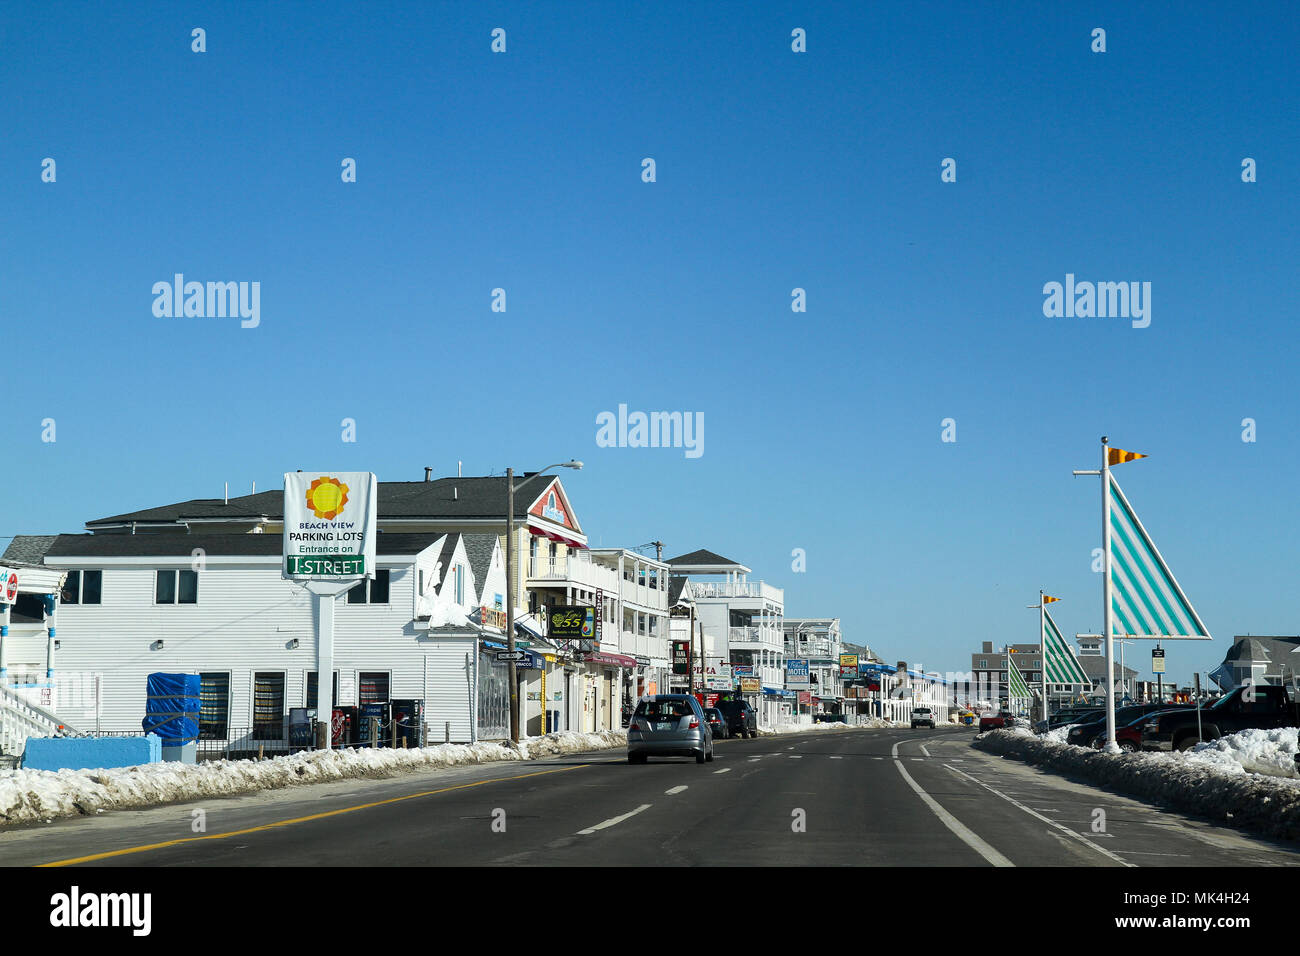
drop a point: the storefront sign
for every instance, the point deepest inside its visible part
(329, 525)
(8, 586)
(493, 618)
(805, 697)
(600, 613)
(796, 674)
(681, 657)
(742, 670)
(750, 685)
(568, 623)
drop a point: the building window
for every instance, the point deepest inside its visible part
(82, 587)
(268, 705)
(168, 590)
(376, 588)
(313, 690)
(372, 687)
(460, 584)
(984, 663)
(214, 705)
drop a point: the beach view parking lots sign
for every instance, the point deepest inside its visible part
(329, 525)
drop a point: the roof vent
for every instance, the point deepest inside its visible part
(455, 493)
(427, 472)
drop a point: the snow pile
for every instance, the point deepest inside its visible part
(1268, 752)
(28, 796)
(1057, 735)
(1215, 786)
(871, 723)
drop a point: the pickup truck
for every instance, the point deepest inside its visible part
(1259, 706)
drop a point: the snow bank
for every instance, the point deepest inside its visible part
(1268, 752)
(28, 796)
(1213, 781)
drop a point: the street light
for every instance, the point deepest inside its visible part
(510, 583)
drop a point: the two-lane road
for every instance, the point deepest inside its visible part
(856, 798)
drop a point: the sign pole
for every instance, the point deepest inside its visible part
(1042, 652)
(326, 593)
(510, 603)
(1107, 624)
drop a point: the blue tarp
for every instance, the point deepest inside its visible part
(172, 708)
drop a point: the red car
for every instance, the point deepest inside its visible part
(996, 723)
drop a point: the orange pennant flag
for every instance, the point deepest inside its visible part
(1117, 456)
(1049, 600)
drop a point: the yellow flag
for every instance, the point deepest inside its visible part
(1049, 600)
(1117, 456)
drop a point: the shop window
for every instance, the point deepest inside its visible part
(268, 705)
(313, 690)
(372, 687)
(214, 705)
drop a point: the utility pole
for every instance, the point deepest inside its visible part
(510, 603)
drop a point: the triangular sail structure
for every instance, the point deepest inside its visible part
(1059, 662)
(1145, 600)
(1017, 689)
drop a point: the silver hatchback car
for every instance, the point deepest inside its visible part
(669, 725)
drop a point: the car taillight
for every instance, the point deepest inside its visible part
(632, 728)
(694, 724)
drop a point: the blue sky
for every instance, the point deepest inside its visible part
(775, 170)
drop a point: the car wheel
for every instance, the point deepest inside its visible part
(1187, 743)
(1127, 746)
(709, 755)
(699, 756)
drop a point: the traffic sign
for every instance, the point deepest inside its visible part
(504, 657)
(1158, 660)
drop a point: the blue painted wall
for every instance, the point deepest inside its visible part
(87, 753)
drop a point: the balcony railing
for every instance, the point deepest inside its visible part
(581, 569)
(738, 589)
(770, 637)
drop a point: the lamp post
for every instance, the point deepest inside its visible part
(510, 584)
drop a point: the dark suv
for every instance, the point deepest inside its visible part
(740, 717)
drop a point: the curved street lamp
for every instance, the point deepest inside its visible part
(510, 583)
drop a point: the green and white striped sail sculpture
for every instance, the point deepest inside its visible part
(1017, 689)
(1059, 661)
(1145, 600)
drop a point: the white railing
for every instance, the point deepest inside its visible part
(582, 570)
(733, 589)
(769, 637)
(20, 719)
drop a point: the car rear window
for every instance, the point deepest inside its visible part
(663, 708)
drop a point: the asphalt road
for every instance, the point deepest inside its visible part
(848, 798)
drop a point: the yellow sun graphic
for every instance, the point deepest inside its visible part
(327, 497)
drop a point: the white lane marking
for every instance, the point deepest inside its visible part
(1033, 813)
(1149, 853)
(723, 770)
(952, 823)
(924, 751)
(789, 748)
(674, 790)
(752, 759)
(614, 821)
(834, 757)
(796, 756)
(918, 759)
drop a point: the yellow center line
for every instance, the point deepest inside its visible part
(285, 823)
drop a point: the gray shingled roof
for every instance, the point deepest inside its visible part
(702, 557)
(28, 548)
(172, 545)
(444, 498)
(1095, 668)
(479, 548)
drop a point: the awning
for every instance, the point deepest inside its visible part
(613, 660)
(562, 535)
(778, 692)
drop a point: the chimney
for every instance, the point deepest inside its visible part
(988, 647)
(254, 487)
(427, 472)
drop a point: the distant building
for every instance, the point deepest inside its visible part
(1264, 660)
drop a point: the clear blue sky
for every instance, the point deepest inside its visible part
(775, 170)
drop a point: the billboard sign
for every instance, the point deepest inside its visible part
(742, 670)
(329, 525)
(849, 666)
(681, 657)
(796, 674)
(750, 685)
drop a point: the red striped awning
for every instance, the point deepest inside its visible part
(561, 535)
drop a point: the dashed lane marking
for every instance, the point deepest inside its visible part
(723, 770)
(675, 790)
(614, 821)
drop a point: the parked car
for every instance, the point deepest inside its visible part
(1129, 737)
(922, 717)
(717, 723)
(669, 725)
(741, 718)
(1084, 734)
(1003, 718)
(1259, 706)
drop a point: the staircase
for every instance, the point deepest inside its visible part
(19, 720)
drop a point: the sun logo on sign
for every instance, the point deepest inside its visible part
(327, 497)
